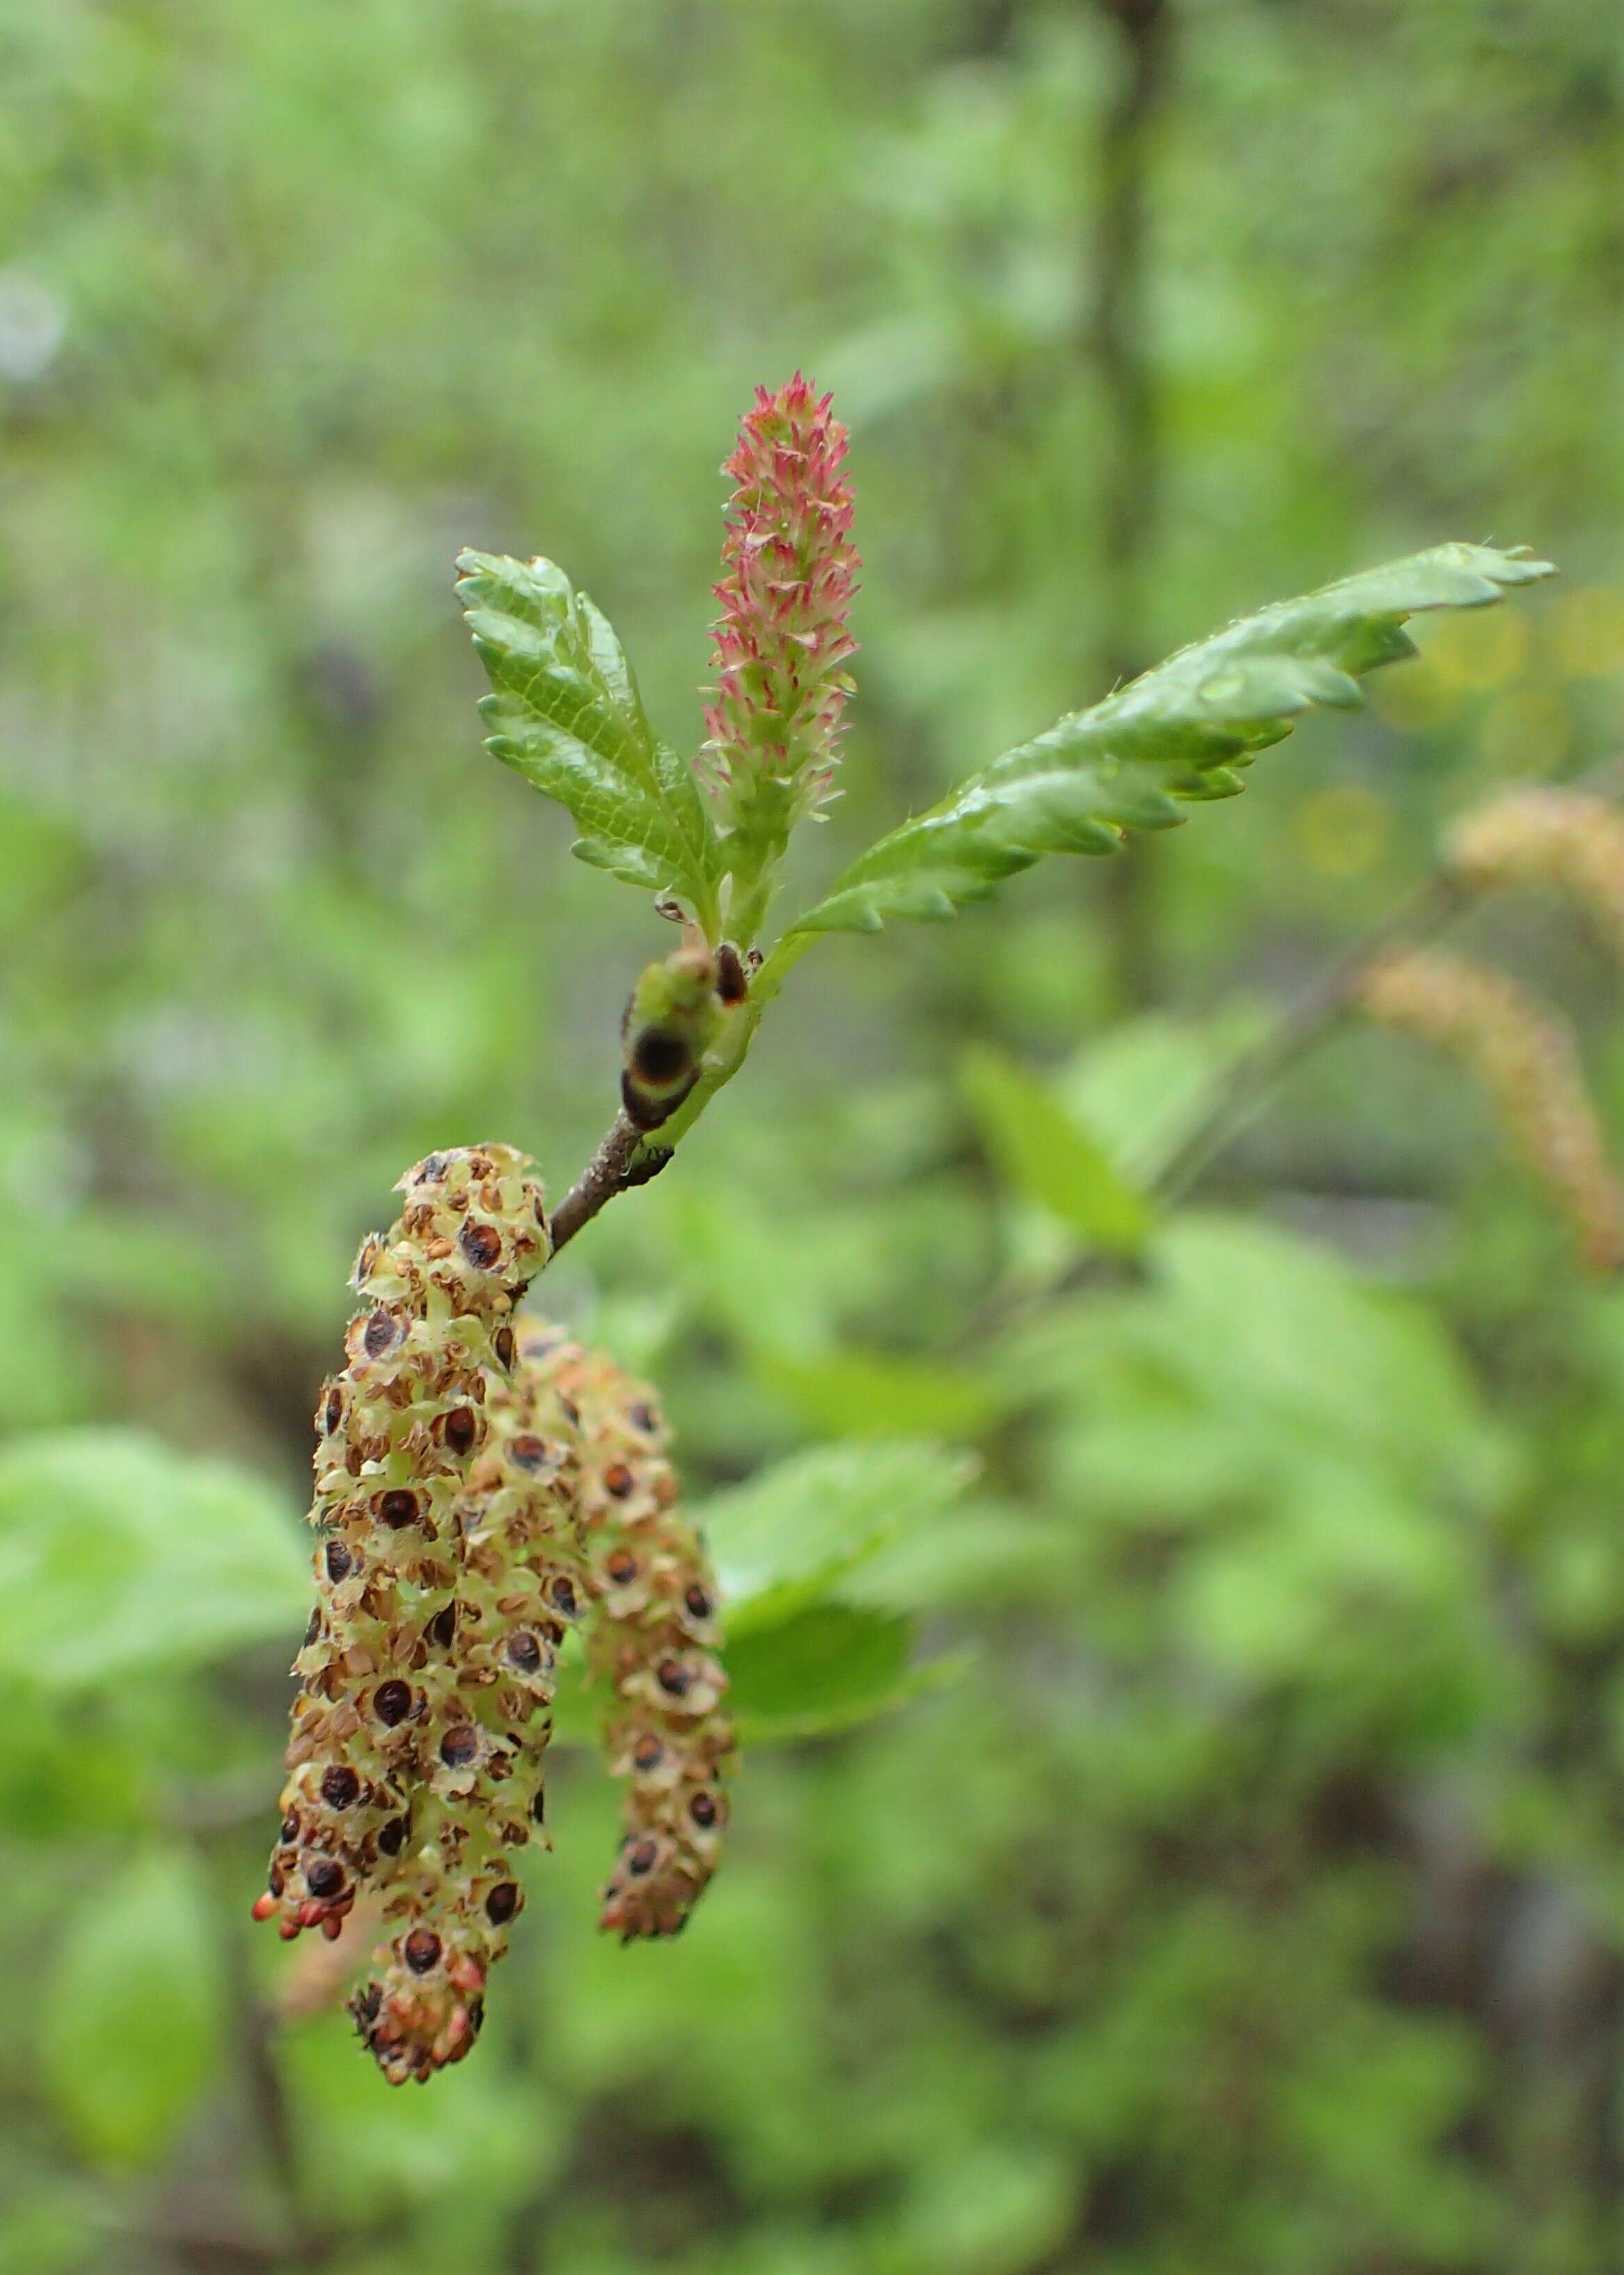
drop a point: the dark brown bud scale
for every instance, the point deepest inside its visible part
(732, 980)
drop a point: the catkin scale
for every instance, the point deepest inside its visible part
(522, 1583)
(396, 1430)
(1525, 1057)
(653, 1641)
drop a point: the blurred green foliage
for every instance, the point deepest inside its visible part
(1235, 1883)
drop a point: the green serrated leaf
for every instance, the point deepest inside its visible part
(565, 713)
(1174, 735)
(798, 1529)
(132, 2023)
(830, 1667)
(1046, 1156)
(118, 1554)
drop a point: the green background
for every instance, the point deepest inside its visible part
(1244, 1891)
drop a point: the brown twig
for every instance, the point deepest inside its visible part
(1248, 1082)
(623, 1160)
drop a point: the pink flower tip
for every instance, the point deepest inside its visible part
(781, 641)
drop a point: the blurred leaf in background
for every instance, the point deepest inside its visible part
(1232, 1877)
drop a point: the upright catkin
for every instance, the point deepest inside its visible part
(652, 1640)
(1570, 841)
(1524, 1055)
(521, 1586)
(783, 643)
(380, 1697)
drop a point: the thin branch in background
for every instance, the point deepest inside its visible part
(1249, 1083)
(1117, 343)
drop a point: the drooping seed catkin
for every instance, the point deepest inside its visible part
(652, 1640)
(522, 1583)
(1570, 841)
(1524, 1055)
(396, 1430)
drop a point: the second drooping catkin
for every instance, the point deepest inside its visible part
(1570, 841)
(1524, 1055)
(396, 1430)
(652, 1640)
(521, 1585)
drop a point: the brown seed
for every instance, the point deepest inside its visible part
(459, 1747)
(618, 1480)
(391, 1703)
(442, 1627)
(334, 1411)
(314, 1628)
(323, 1877)
(703, 1810)
(396, 1508)
(338, 1560)
(481, 1244)
(674, 1677)
(341, 1789)
(644, 1418)
(564, 1595)
(461, 1427)
(421, 1950)
(697, 1602)
(381, 1335)
(392, 1837)
(621, 1568)
(648, 1755)
(527, 1452)
(290, 1825)
(524, 1652)
(504, 1344)
(501, 1902)
(643, 1857)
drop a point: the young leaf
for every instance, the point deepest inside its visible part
(795, 1530)
(831, 1666)
(118, 1554)
(131, 2022)
(565, 713)
(1049, 1157)
(1175, 734)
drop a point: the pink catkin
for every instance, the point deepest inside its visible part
(780, 644)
